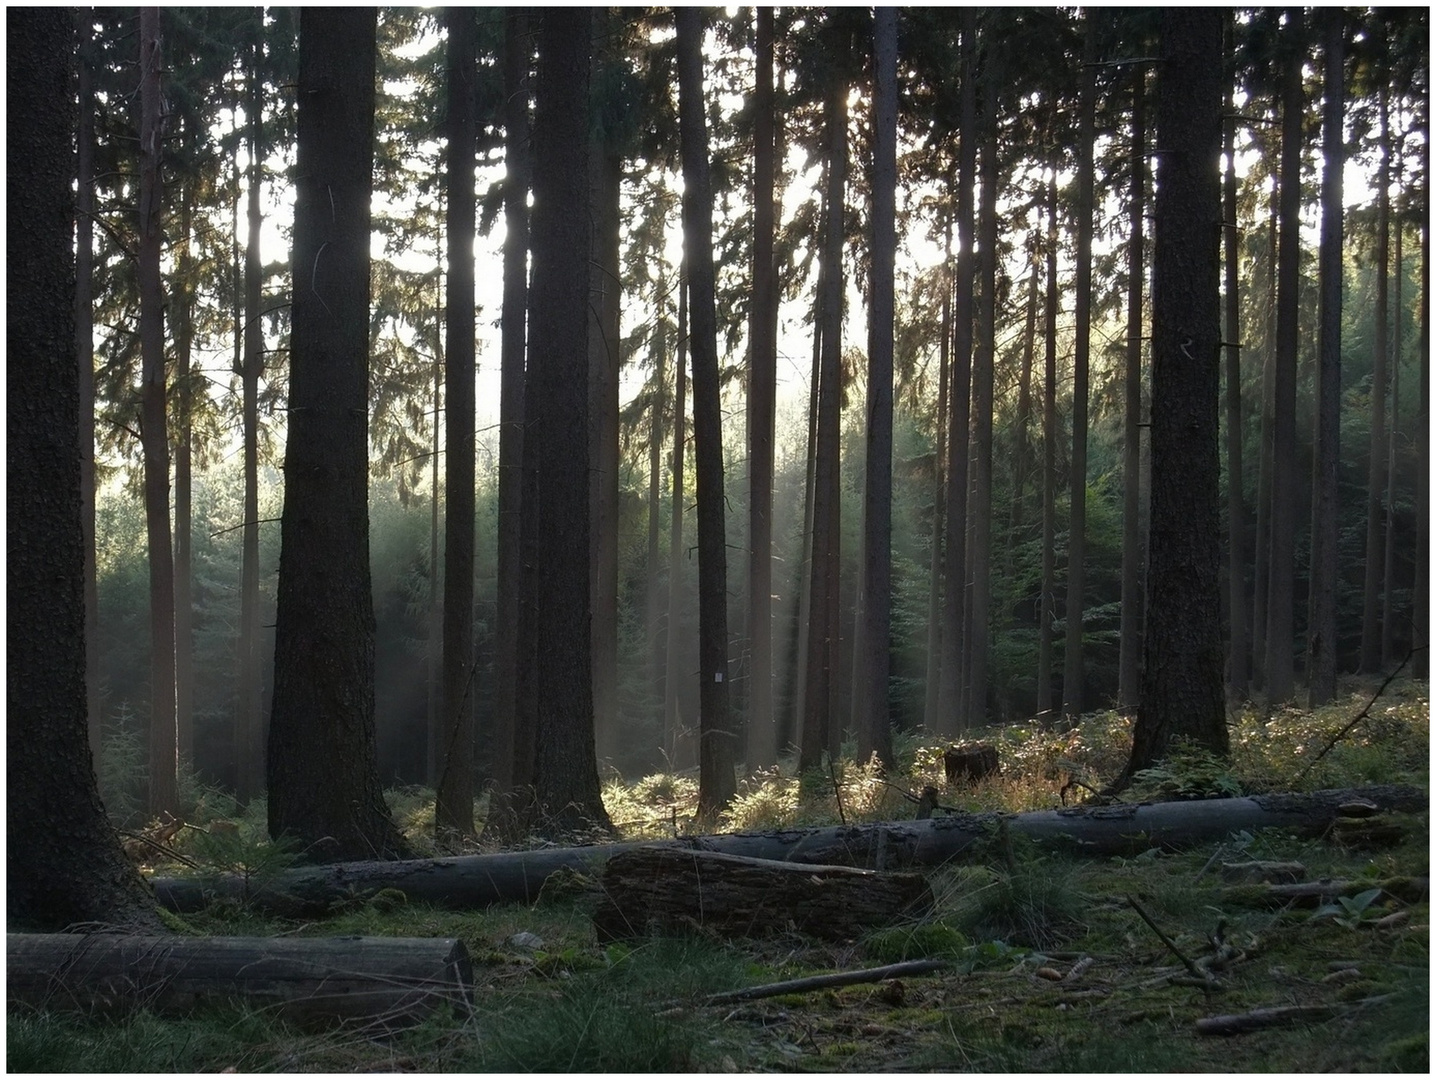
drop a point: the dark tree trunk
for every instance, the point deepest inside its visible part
(716, 749)
(63, 862)
(1022, 454)
(163, 781)
(1238, 654)
(1321, 623)
(820, 699)
(556, 418)
(762, 744)
(954, 571)
(1129, 662)
(323, 783)
(1376, 464)
(653, 564)
(249, 707)
(1073, 672)
(1394, 440)
(454, 809)
(1280, 640)
(186, 381)
(85, 360)
(874, 730)
(517, 54)
(1420, 598)
(1261, 572)
(675, 740)
(932, 714)
(1182, 689)
(1047, 600)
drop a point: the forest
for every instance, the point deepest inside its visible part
(485, 425)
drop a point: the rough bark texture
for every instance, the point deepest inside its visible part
(154, 438)
(1420, 589)
(63, 862)
(762, 742)
(717, 749)
(1129, 662)
(663, 890)
(556, 408)
(1182, 686)
(454, 811)
(324, 786)
(874, 730)
(1321, 640)
(385, 982)
(471, 881)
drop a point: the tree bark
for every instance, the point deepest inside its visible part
(1182, 685)
(186, 379)
(1321, 639)
(1420, 587)
(1238, 653)
(932, 713)
(384, 982)
(675, 740)
(1129, 662)
(716, 746)
(1047, 600)
(454, 809)
(1261, 571)
(1376, 464)
(63, 861)
(324, 785)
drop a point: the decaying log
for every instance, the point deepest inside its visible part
(664, 889)
(469, 881)
(308, 981)
(1277, 1016)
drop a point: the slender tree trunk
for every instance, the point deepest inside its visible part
(1376, 476)
(1389, 656)
(1182, 693)
(184, 489)
(1325, 505)
(85, 361)
(164, 794)
(1073, 675)
(875, 728)
(805, 566)
(1261, 574)
(1238, 655)
(1129, 663)
(653, 569)
(504, 743)
(820, 698)
(249, 704)
(954, 638)
(1420, 598)
(932, 715)
(762, 729)
(434, 759)
(1047, 600)
(1280, 676)
(454, 809)
(1022, 456)
(674, 739)
(324, 787)
(716, 747)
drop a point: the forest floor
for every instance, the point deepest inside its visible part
(1051, 968)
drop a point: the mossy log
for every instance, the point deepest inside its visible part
(386, 982)
(660, 890)
(471, 881)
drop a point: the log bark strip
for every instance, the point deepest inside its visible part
(308, 981)
(666, 889)
(471, 881)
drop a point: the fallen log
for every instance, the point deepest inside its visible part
(469, 881)
(660, 890)
(387, 982)
(1412, 890)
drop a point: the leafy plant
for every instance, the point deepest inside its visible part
(1188, 772)
(1352, 911)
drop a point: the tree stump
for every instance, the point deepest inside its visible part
(969, 763)
(668, 889)
(309, 981)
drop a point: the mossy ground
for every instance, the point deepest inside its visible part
(1020, 993)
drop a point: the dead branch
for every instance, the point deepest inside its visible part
(833, 978)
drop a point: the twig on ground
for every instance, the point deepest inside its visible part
(834, 978)
(1359, 716)
(1193, 970)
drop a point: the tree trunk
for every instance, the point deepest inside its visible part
(932, 714)
(1022, 454)
(1376, 476)
(1389, 628)
(434, 758)
(762, 743)
(1238, 654)
(1129, 662)
(716, 749)
(1420, 587)
(249, 706)
(654, 595)
(874, 729)
(517, 53)
(1182, 685)
(380, 981)
(1047, 600)
(1261, 572)
(1280, 675)
(324, 785)
(163, 789)
(63, 862)
(187, 380)
(1073, 675)
(474, 881)
(1325, 506)
(454, 809)
(820, 723)
(556, 412)
(675, 740)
